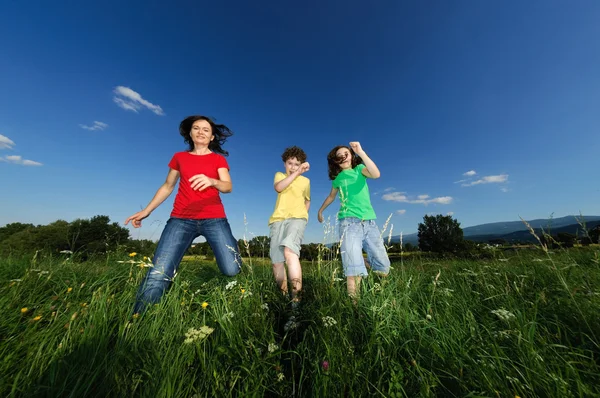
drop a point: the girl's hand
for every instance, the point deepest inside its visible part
(355, 145)
(136, 219)
(320, 217)
(200, 182)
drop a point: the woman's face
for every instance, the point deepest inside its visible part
(201, 133)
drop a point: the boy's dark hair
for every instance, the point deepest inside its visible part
(294, 152)
(220, 132)
(332, 161)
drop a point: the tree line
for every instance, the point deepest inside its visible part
(98, 235)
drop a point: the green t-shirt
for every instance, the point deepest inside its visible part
(354, 194)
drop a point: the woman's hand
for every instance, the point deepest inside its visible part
(136, 219)
(200, 182)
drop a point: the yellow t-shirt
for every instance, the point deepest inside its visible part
(291, 201)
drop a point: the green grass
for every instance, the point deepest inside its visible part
(409, 335)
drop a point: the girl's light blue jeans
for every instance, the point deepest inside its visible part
(356, 234)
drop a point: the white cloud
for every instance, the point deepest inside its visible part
(95, 126)
(395, 197)
(388, 189)
(401, 212)
(450, 213)
(470, 173)
(6, 143)
(421, 199)
(131, 100)
(488, 180)
(18, 160)
(504, 189)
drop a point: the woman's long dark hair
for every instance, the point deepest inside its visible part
(333, 161)
(220, 132)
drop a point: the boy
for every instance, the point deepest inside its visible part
(288, 222)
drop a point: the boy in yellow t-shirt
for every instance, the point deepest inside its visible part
(288, 222)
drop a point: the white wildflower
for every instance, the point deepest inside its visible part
(197, 334)
(280, 377)
(230, 285)
(503, 314)
(290, 324)
(429, 317)
(265, 306)
(329, 321)
(273, 347)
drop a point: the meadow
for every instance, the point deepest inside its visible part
(520, 324)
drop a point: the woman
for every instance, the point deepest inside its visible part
(204, 174)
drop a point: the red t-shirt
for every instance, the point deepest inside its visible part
(197, 204)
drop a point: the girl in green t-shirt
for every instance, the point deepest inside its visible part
(349, 168)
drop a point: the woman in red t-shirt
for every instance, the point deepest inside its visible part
(203, 173)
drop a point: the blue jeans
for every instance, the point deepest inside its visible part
(356, 234)
(175, 239)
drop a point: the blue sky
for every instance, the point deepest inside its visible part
(507, 90)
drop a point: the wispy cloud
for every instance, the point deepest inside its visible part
(131, 100)
(401, 212)
(95, 126)
(504, 189)
(385, 190)
(497, 179)
(6, 143)
(450, 213)
(19, 160)
(421, 199)
(470, 173)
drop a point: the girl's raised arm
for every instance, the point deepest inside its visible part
(370, 170)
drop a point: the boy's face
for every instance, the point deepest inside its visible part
(291, 165)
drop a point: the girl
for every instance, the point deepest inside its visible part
(197, 210)
(349, 173)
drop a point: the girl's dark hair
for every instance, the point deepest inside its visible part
(220, 131)
(332, 161)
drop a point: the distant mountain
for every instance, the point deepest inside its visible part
(496, 230)
(526, 236)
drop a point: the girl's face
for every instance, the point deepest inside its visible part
(291, 165)
(201, 133)
(344, 158)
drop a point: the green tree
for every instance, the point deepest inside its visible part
(565, 239)
(440, 234)
(10, 229)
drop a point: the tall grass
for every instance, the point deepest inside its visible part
(524, 325)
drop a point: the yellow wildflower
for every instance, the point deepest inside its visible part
(204, 305)
(37, 318)
(74, 316)
(132, 254)
(136, 315)
(243, 291)
(24, 310)
(69, 290)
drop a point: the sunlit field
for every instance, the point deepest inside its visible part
(521, 324)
